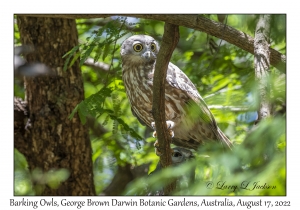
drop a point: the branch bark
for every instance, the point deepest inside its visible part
(21, 115)
(197, 22)
(169, 42)
(262, 64)
(100, 66)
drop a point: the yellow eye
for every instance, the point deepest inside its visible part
(153, 47)
(138, 47)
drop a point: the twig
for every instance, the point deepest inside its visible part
(231, 108)
(97, 65)
(224, 90)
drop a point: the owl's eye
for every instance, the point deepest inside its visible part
(138, 47)
(153, 47)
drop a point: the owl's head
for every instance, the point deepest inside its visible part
(139, 49)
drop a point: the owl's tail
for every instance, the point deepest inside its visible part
(224, 140)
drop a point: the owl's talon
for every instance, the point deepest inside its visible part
(154, 134)
(171, 133)
(158, 153)
(153, 125)
(170, 125)
(156, 145)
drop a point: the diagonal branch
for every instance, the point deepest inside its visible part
(169, 42)
(197, 22)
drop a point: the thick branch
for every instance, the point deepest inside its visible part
(169, 42)
(197, 22)
(262, 64)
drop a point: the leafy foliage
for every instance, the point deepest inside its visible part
(24, 178)
(102, 42)
(92, 106)
(23, 185)
(244, 171)
(224, 76)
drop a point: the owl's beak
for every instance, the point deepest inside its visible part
(148, 55)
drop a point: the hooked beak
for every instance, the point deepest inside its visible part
(148, 55)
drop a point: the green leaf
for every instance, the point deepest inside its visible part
(77, 55)
(74, 49)
(86, 54)
(73, 112)
(82, 116)
(69, 54)
(55, 177)
(20, 160)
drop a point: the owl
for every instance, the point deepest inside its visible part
(179, 156)
(188, 117)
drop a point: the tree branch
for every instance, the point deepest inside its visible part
(104, 21)
(169, 42)
(224, 90)
(100, 66)
(231, 108)
(197, 22)
(262, 64)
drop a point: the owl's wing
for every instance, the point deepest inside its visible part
(139, 119)
(177, 79)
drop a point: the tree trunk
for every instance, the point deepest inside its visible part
(51, 140)
(262, 64)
